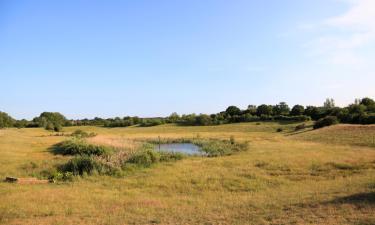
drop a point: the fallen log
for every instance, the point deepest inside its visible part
(25, 180)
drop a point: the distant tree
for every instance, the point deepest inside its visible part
(51, 121)
(369, 103)
(281, 109)
(203, 120)
(233, 110)
(252, 109)
(297, 110)
(314, 112)
(21, 123)
(264, 110)
(6, 120)
(329, 103)
(356, 109)
(173, 118)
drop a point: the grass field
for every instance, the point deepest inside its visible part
(323, 176)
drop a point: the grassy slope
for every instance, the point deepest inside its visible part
(343, 134)
(279, 180)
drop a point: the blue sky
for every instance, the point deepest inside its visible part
(152, 58)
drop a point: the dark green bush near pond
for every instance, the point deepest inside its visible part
(145, 158)
(76, 146)
(171, 156)
(148, 156)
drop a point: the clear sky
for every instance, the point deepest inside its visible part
(151, 58)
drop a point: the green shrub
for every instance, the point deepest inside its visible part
(171, 156)
(61, 176)
(326, 121)
(78, 146)
(82, 165)
(145, 158)
(82, 134)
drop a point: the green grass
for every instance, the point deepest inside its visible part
(279, 179)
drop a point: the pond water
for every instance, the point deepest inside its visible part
(186, 148)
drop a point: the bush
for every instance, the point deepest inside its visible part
(81, 165)
(171, 156)
(77, 146)
(145, 158)
(82, 134)
(61, 176)
(326, 121)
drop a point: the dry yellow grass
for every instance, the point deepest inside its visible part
(280, 179)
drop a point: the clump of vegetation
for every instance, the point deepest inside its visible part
(76, 146)
(145, 158)
(82, 134)
(61, 176)
(326, 121)
(82, 165)
(279, 130)
(171, 156)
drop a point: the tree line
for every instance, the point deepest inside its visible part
(362, 111)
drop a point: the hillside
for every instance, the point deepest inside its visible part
(343, 134)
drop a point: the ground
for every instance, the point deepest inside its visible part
(307, 177)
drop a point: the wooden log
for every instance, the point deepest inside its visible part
(26, 180)
(11, 179)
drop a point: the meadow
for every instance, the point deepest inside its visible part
(324, 176)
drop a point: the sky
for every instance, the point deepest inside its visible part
(151, 58)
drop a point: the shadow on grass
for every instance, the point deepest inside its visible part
(56, 149)
(291, 133)
(360, 198)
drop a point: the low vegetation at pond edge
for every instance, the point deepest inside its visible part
(105, 160)
(212, 147)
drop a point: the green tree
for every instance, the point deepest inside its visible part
(264, 110)
(233, 110)
(173, 118)
(329, 103)
(369, 103)
(6, 120)
(51, 120)
(281, 109)
(297, 110)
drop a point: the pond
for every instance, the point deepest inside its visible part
(185, 148)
